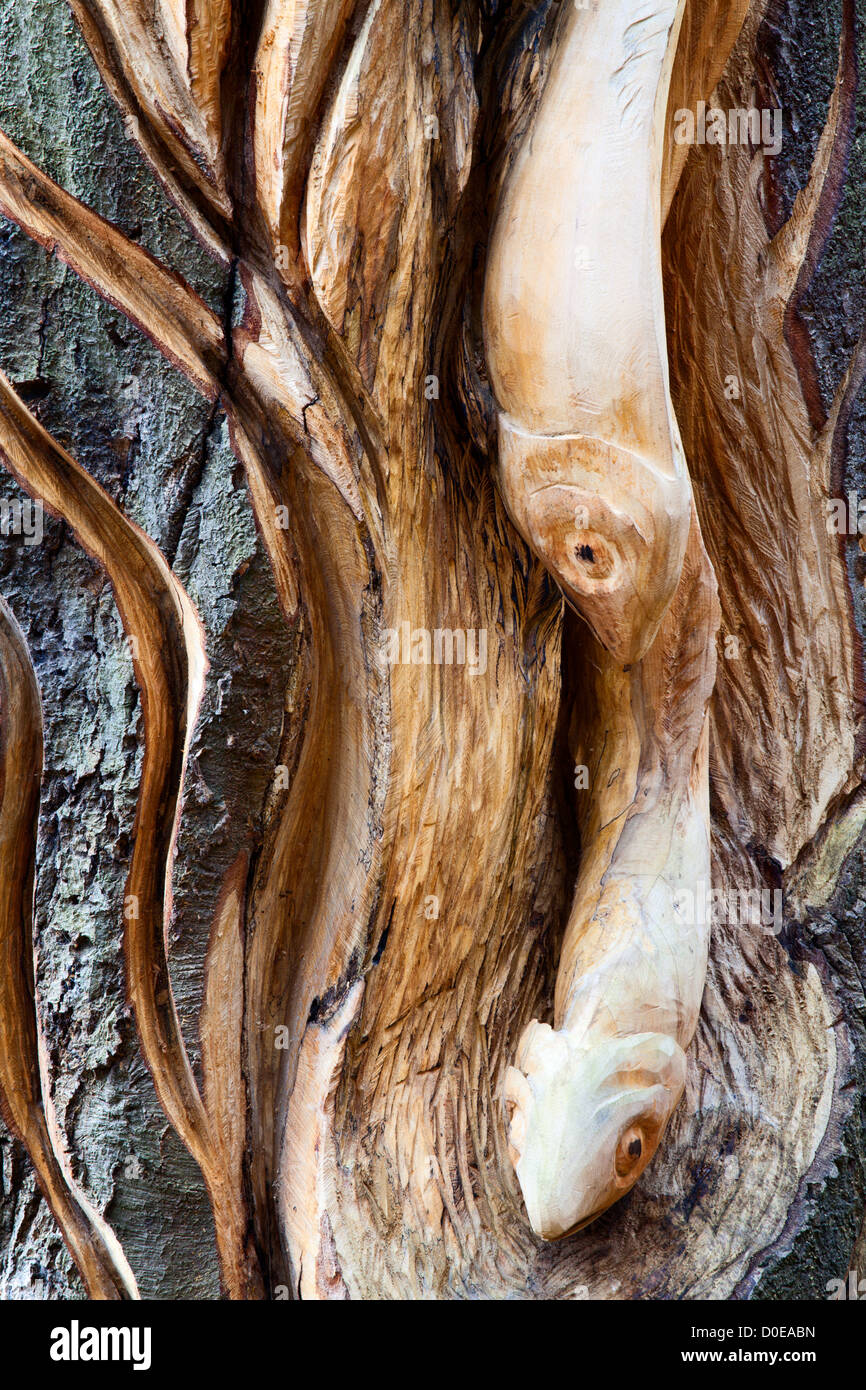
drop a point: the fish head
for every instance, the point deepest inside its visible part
(584, 1121)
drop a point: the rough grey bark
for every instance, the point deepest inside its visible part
(146, 435)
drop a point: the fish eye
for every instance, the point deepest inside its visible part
(629, 1151)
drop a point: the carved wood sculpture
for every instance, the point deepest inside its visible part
(593, 474)
(407, 193)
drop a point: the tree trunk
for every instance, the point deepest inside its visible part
(449, 865)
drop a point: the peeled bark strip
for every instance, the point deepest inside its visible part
(224, 1086)
(24, 1105)
(206, 26)
(707, 35)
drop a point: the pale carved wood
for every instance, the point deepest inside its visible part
(593, 473)
(408, 193)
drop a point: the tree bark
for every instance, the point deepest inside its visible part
(404, 929)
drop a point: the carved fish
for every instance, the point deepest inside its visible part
(593, 474)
